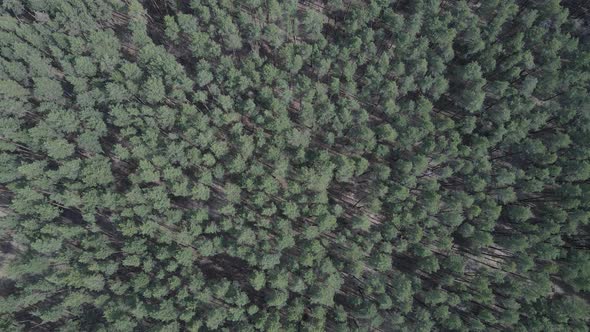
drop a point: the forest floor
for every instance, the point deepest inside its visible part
(7, 253)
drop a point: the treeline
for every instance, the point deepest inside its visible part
(382, 165)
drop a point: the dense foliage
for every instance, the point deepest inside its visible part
(200, 165)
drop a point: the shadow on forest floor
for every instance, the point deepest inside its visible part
(7, 253)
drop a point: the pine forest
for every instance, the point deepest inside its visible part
(284, 165)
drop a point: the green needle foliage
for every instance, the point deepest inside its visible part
(338, 165)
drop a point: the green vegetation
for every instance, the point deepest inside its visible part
(340, 165)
